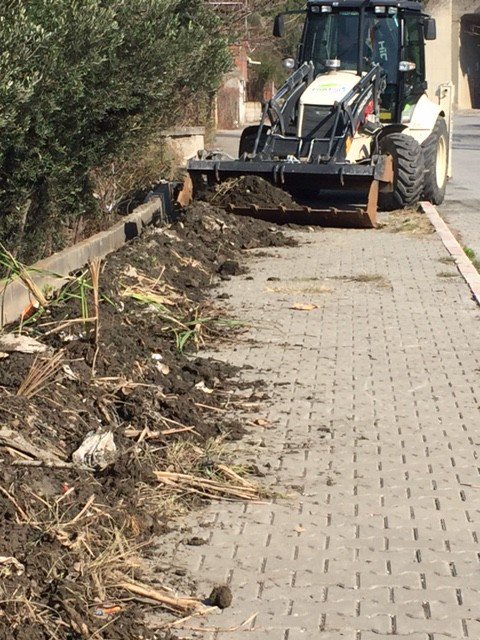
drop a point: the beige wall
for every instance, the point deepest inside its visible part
(443, 55)
(439, 51)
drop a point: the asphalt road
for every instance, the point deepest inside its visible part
(462, 205)
(228, 141)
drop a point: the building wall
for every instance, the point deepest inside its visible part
(439, 52)
(464, 58)
(447, 58)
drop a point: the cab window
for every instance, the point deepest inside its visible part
(413, 52)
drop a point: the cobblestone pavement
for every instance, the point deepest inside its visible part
(375, 445)
(462, 205)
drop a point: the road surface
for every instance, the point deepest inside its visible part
(462, 206)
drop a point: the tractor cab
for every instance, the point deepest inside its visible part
(354, 35)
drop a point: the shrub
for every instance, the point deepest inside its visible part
(84, 82)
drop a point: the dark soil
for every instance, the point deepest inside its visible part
(142, 373)
(251, 190)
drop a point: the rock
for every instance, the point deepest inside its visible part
(23, 344)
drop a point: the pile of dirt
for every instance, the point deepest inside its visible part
(121, 367)
(251, 190)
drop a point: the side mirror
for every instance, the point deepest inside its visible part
(288, 64)
(430, 29)
(279, 26)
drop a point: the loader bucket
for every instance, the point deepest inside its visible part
(294, 177)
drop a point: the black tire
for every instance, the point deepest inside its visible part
(408, 171)
(248, 137)
(435, 152)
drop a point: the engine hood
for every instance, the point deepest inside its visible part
(329, 88)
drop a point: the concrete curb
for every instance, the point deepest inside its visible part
(52, 272)
(464, 264)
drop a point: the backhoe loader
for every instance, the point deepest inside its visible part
(354, 114)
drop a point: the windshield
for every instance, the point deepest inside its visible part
(335, 35)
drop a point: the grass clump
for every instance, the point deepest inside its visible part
(472, 256)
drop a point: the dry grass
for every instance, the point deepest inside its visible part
(206, 472)
(406, 221)
(188, 262)
(300, 289)
(94, 266)
(100, 544)
(149, 290)
(229, 487)
(115, 183)
(190, 323)
(97, 553)
(41, 374)
(447, 260)
(367, 277)
(191, 474)
(224, 188)
(371, 278)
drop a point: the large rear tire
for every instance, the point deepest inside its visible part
(248, 137)
(435, 152)
(408, 171)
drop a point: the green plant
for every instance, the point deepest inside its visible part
(83, 85)
(14, 269)
(470, 253)
(196, 330)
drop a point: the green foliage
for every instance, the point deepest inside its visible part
(82, 82)
(472, 256)
(270, 51)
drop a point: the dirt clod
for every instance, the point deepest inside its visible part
(230, 268)
(221, 597)
(195, 542)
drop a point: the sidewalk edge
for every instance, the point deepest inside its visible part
(464, 264)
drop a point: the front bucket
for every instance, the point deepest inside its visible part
(357, 218)
(293, 177)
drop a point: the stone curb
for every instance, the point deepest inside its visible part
(51, 272)
(464, 264)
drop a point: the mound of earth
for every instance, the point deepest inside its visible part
(127, 365)
(252, 190)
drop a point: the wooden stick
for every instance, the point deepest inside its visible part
(230, 473)
(87, 506)
(180, 604)
(15, 504)
(43, 463)
(152, 435)
(207, 406)
(179, 424)
(176, 623)
(205, 486)
(24, 457)
(63, 325)
(15, 440)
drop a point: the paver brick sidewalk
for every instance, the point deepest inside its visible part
(376, 441)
